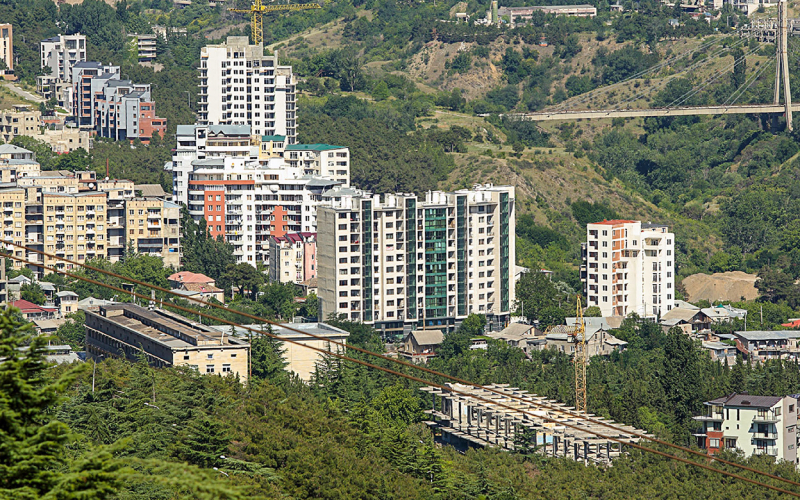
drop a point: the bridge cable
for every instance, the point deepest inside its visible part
(667, 61)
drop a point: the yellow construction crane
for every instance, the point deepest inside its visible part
(581, 359)
(258, 9)
(577, 334)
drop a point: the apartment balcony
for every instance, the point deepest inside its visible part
(8, 209)
(765, 435)
(714, 417)
(154, 225)
(153, 215)
(766, 418)
(769, 450)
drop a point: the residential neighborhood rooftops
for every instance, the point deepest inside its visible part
(273, 138)
(29, 307)
(746, 400)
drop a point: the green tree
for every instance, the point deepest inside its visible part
(592, 312)
(380, 92)
(33, 443)
(72, 331)
(242, 276)
(206, 442)
(267, 360)
(201, 252)
(32, 292)
(535, 294)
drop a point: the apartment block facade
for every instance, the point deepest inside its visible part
(293, 257)
(61, 53)
(145, 46)
(239, 85)
(324, 160)
(7, 47)
(629, 267)
(20, 120)
(401, 263)
(757, 425)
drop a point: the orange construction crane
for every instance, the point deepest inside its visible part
(258, 9)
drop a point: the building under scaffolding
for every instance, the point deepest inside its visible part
(516, 418)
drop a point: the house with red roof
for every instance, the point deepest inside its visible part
(31, 311)
(178, 279)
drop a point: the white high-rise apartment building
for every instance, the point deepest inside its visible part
(400, 263)
(757, 425)
(239, 85)
(629, 267)
(60, 53)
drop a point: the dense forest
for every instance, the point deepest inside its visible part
(125, 430)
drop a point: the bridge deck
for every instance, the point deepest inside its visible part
(631, 113)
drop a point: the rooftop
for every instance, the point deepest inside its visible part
(427, 337)
(175, 332)
(312, 147)
(190, 277)
(746, 400)
(757, 335)
(615, 222)
(319, 329)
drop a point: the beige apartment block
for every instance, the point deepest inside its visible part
(299, 358)
(21, 120)
(65, 140)
(7, 46)
(166, 339)
(13, 203)
(50, 182)
(74, 227)
(153, 228)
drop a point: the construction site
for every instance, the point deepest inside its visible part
(507, 417)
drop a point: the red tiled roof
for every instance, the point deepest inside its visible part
(29, 307)
(615, 222)
(190, 277)
(792, 324)
(200, 287)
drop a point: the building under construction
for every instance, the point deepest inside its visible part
(509, 418)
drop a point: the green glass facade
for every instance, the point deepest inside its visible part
(411, 258)
(366, 245)
(435, 264)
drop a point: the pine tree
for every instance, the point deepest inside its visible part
(266, 354)
(206, 442)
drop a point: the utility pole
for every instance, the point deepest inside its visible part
(782, 63)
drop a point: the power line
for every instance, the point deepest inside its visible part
(346, 346)
(439, 386)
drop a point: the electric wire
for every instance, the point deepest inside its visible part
(747, 84)
(338, 355)
(364, 351)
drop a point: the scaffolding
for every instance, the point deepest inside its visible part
(517, 418)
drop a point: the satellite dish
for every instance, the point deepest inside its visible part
(91, 185)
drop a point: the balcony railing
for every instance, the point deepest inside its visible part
(769, 450)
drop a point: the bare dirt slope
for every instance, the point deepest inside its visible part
(732, 286)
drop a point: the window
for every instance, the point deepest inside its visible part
(186, 357)
(791, 408)
(209, 368)
(233, 355)
(210, 356)
(226, 368)
(713, 443)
